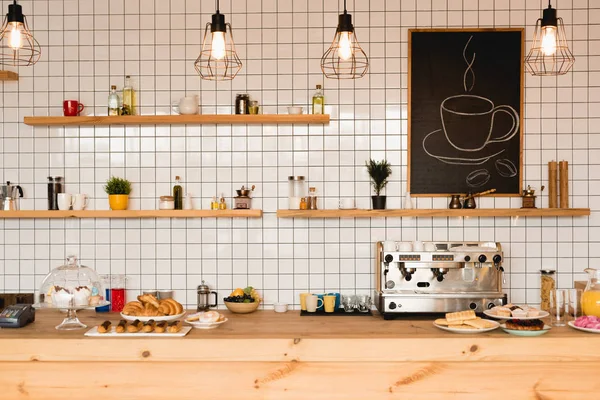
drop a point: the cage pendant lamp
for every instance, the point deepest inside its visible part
(549, 54)
(18, 47)
(345, 59)
(218, 60)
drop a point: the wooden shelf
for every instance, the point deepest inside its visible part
(443, 212)
(180, 120)
(8, 76)
(132, 214)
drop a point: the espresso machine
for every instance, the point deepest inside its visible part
(445, 277)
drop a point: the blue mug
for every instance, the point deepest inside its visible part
(320, 296)
(338, 299)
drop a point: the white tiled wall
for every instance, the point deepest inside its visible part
(87, 45)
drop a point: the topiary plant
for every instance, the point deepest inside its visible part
(117, 186)
(379, 172)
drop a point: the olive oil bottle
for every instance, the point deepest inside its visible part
(129, 98)
(318, 101)
(114, 102)
(178, 194)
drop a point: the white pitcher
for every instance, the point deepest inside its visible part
(187, 105)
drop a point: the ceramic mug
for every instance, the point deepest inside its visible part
(320, 296)
(429, 246)
(389, 246)
(303, 301)
(329, 303)
(312, 303)
(417, 245)
(405, 246)
(338, 299)
(186, 106)
(64, 200)
(80, 201)
(347, 204)
(72, 108)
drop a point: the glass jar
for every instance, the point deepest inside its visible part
(547, 285)
(590, 299)
(312, 198)
(242, 103)
(166, 203)
(296, 191)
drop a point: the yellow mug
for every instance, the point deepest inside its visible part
(303, 301)
(329, 303)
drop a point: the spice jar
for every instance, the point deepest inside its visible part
(166, 203)
(547, 285)
(312, 198)
(303, 204)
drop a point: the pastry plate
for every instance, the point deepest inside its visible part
(489, 313)
(473, 330)
(113, 333)
(206, 325)
(579, 328)
(526, 333)
(157, 319)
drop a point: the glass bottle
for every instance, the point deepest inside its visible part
(303, 204)
(547, 285)
(178, 194)
(214, 204)
(129, 98)
(318, 101)
(590, 299)
(114, 102)
(312, 198)
(222, 204)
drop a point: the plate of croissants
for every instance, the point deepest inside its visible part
(148, 307)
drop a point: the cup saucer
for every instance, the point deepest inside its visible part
(437, 146)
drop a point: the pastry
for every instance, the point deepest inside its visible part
(122, 325)
(460, 316)
(62, 298)
(519, 313)
(104, 327)
(533, 312)
(95, 300)
(196, 318)
(149, 326)
(502, 311)
(134, 308)
(160, 327)
(480, 323)
(209, 317)
(81, 296)
(178, 306)
(525, 325)
(135, 326)
(150, 310)
(174, 326)
(166, 308)
(149, 299)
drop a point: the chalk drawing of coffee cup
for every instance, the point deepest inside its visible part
(468, 121)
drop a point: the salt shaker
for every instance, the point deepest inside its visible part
(188, 203)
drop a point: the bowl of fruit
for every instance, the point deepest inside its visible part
(243, 301)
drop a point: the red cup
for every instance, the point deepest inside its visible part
(72, 108)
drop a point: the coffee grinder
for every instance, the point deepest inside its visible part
(243, 201)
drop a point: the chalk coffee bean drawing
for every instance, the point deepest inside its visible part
(478, 178)
(506, 168)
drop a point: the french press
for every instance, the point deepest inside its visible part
(203, 294)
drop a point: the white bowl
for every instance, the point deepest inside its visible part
(206, 325)
(295, 110)
(280, 307)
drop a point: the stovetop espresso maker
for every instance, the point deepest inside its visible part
(9, 196)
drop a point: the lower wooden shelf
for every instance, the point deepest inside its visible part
(442, 212)
(132, 214)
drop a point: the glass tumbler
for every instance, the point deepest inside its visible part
(117, 293)
(558, 300)
(574, 308)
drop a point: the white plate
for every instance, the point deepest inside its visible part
(474, 330)
(157, 319)
(113, 333)
(526, 333)
(206, 325)
(572, 325)
(489, 313)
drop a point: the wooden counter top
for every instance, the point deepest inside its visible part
(265, 355)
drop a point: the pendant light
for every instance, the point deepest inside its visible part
(345, 59)
(18, 47)
(549, 54)
(218, 59)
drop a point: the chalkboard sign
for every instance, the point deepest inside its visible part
(465, 111)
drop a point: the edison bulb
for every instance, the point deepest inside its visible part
(218, 45)
(345, 46)
(14, 37)
(549, 40)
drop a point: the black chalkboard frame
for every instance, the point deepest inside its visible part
(517, 189)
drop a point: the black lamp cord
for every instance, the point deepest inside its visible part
(217, 6)
(345, 12)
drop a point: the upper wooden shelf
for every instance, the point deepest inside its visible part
(8, 76)
(442, 212)
(180, 120)
(132, 214)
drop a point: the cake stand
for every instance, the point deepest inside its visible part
(71, 322)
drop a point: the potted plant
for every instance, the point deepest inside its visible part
(118, 190)
(379, 173)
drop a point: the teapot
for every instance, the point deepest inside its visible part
(590, 299)
(187, 105)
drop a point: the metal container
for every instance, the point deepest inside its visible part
(55, 186)
(204, 293)
(296, 191)
(242, 103)
(9, 197)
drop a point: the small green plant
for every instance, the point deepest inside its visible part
(379, 172)
(117, 186)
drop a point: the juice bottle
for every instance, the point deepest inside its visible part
(590, 299)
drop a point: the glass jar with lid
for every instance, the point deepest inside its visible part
(296, 191)
(547, 285)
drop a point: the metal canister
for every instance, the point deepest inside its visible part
(242, 103)
(204, 293)
(55, 186)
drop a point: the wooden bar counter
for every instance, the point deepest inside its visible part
(265, 355)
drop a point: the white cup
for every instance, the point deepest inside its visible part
(80, 201)
(312, 303)
(429, 246)
(389, 245)
(280, 307)
(417, 245)
(65, 201)
(347, 204)
(405, 246)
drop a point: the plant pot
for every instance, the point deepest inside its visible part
(118, 201)
(378, 202)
